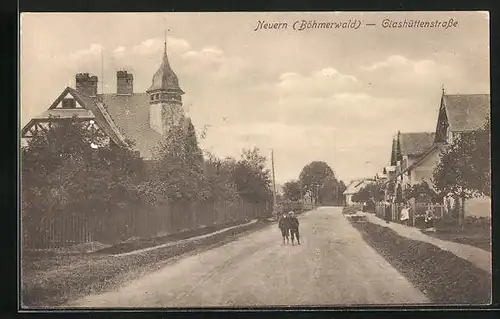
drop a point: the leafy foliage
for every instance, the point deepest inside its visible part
(464, 168)
(292, 191)
(422, 192)
(399, 194)
(251, 177)
(373, 191)
(62, 172)
(179, 170)
(313, 176)
(71, 169)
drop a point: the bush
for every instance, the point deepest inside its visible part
(420, 222)
(446, 224)
(352, 209)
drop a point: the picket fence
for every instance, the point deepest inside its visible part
(417, 209)
(68, 229)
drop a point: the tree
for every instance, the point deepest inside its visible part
(464, 169)
(178, 171)
(312, 178)
(340, 194)
(422, 192)
(219, 177)
(329, 190)
(71, 169)
(292, 191)
(251, 177)
(399, 194)
(370, 191)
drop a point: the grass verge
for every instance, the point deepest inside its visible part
(93, 273)
(151, 242)
(442, 276)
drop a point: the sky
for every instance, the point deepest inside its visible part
(337, 95)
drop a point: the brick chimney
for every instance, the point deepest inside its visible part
(124, 83)
(86, 84)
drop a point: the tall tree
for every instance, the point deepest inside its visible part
(220, 180)
(313, 176)
(292, 191)
(465, 166)
(464, 169)
(179, 169)
(252, 179)
(373, 191)
(71, 169)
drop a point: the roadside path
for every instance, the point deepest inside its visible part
(332, 267)
(479, 257)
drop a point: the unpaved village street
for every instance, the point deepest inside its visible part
(333, 266)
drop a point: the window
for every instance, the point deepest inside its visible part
(68, 104)
(450, 137)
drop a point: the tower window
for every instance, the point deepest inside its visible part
(152, 97)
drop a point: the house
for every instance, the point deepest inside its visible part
(458, 113)
(127, 118)
(410, 148)
(353, 187)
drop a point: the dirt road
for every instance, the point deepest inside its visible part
(333, 266)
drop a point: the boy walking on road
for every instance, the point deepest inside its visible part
(294, 227)
(283, 224)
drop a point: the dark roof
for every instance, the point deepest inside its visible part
(415, 144)
(427, 153)
(130, 113)
(467, 112)
(90, 111)
(104, 122)
(165, 78)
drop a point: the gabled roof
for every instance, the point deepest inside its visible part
(101, 119)
(466, 112)
(356, 185)
(89, 111)
(416, 143)
(130, 113)
(425, 155)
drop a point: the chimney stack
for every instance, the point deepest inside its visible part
(86, 84)
(124, 83)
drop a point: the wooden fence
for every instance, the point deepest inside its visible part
(68, 229)
(417, 209)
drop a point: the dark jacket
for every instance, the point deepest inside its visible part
(294, 222)
(283, 223)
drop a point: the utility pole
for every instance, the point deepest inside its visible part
(274, 182)
(102, 71)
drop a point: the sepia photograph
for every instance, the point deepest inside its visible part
(254, 159)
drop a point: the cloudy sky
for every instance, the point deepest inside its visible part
(336, 95)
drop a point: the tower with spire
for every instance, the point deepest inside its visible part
(165, 97)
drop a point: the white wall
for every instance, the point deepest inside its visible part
(425, 169)
(478, 207)
(348, 199)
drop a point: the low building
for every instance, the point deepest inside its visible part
(353, 187)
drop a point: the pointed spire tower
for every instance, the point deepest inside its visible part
(165, 97)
